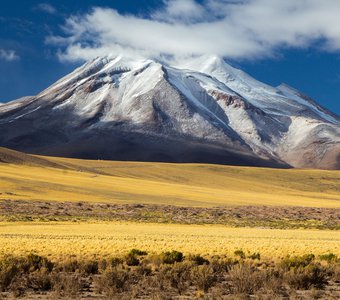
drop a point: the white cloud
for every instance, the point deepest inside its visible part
(47, 8)
(8, 55)
(235, 29)
(180, 10)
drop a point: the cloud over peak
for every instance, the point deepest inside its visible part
(238, 29)
(46, 7)
(187, 11)
(8, 55)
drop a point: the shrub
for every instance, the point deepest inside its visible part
(171, 257)
(198, 260)
(178, 276)
(297, 261)
(110, 263)
(36, 262)
(143, 270)
(66, 285)
(240, 254)
(89, 267)
(329, 257)
(113, 281)
(159, 281)
(255, 255)
(273, 286)
(222, 265)
(203, 277)
(40, 280)
(70, 266)
(132, 260)
(245, 279)
(306, 277)
(335, 273)
(13, 273)
(8, 271)
(137, 252)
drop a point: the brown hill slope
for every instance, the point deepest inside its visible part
(20, 158)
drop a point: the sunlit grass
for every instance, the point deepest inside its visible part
(176, 184)
(116, 238)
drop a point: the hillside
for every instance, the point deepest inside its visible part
(171, 184)
(19, 158)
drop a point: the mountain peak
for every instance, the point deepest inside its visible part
(197, 109)
(204, 63)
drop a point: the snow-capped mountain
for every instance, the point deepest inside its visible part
(196, 110)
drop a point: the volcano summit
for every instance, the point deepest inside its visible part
(197, 110)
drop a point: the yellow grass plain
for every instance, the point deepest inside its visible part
(189, 185)
(100, 240)
(175, 184)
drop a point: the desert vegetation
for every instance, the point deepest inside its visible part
(171, 275)
(100, 239)
(238, 216)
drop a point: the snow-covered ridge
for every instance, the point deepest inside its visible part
(199, 100)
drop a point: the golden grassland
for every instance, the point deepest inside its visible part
(100, 240)
(175, 184)
(188, 185)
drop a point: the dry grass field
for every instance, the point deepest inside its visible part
(67, 228)
(190, 185)
(91, 240)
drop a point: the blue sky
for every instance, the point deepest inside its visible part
(40, 41)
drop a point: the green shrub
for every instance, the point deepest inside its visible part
(297, 261)
(198, 260)
(137, 252)
(240, 254)
(131, 258)
(171, 257)
(329, 257)
(255, 255)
